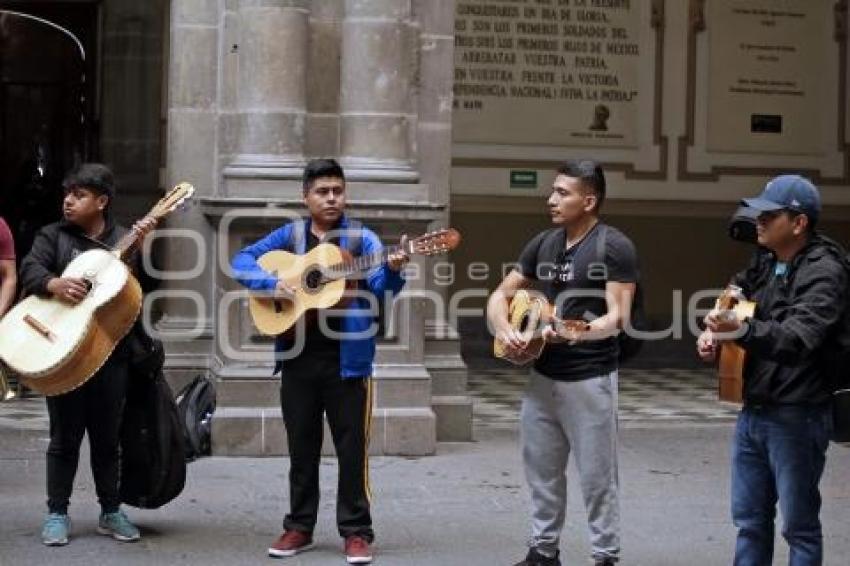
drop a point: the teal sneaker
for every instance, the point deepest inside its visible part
(54, 531)
(118, 526)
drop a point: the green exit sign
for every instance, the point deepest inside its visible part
(523, 179)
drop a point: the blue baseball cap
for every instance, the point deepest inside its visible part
(788, 192)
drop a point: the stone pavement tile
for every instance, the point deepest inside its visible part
(645, 396)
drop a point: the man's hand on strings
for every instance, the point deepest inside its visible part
(399, 258)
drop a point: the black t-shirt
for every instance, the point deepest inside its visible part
(320, 355)
(574, 280)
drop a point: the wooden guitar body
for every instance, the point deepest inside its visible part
(528, 313)
(320, 278)
(731, 360)
(273, 315)
(55, 346)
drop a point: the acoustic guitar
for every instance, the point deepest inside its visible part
(321, 277)
(529, 313)
(54, 346)
(731, 359)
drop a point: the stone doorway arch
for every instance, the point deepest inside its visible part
(47, 89)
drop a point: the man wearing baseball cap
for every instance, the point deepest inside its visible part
(799, 280)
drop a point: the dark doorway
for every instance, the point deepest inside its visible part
(47, 102)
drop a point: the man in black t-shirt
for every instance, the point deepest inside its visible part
(588, 271)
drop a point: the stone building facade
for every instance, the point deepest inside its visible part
(236, 95)
(257, 87)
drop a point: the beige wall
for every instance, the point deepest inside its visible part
(669, 192)
(674, 252)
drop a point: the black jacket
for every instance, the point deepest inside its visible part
(796, 314)
(57, 244)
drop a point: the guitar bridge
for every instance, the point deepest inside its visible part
(40, 327)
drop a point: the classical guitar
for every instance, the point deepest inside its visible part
(731, 359)
(54, 346)
(321, 277)
(529, 313)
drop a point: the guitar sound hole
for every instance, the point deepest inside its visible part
(313, 280)
(524, 323)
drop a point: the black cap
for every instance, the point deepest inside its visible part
(788, 192)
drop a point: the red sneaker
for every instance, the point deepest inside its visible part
(357, 550)
(291, 543)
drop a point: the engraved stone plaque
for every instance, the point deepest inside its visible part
(548, 72)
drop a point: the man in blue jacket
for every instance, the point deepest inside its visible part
(327, 374)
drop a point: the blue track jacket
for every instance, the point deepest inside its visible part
(357, 352)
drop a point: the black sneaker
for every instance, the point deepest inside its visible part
(605, 562)
(534, 558)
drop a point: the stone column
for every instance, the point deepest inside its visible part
(449, 397)
(193, 98)
(265, 136)
(376, 109)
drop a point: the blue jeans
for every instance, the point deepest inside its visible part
(779, 454)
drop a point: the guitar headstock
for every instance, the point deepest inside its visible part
(175, 198)
(434, 243)
(730, 297)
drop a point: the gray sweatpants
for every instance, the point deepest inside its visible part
(580, 417)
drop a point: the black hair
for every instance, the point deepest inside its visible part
(590, 174)
(317, 168)
(811, 225)
(96, 177)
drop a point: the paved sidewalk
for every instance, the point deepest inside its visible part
(645, 396)
(466, 506)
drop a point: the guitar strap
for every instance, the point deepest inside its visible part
(298, 241)
(601, 240)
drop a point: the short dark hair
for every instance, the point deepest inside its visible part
(96, 177)
(317, 168)
(590, 173)
(811, 226)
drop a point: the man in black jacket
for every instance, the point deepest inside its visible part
(96, 406)
(799, 283)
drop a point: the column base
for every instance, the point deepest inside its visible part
(449, 394)
(248, 419)
(259, 431)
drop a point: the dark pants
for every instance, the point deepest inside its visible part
(96, 408)
(779, 454)
(348, 406)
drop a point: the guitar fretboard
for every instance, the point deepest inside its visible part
(127, 244)
(358, 265)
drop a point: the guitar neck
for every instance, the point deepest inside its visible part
(130, 241)
(127, 244)
(359, 264)
(175, 198)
